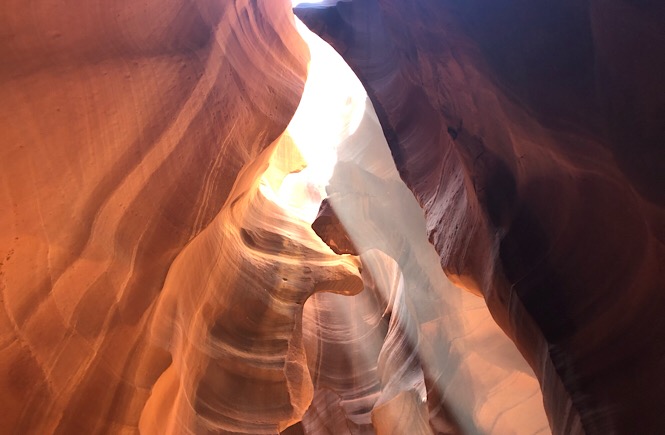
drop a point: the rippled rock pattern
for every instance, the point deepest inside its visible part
(123, 128)
(234, 329)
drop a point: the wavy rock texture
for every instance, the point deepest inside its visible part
(231, 315)
(124, 127)
(531, 135)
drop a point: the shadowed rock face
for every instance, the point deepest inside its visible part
(531, 135)
(441, 365)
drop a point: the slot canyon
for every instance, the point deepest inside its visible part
(391, 217)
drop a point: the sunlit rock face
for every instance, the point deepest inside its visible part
(531, 136)
(231, 314)
(123, 130)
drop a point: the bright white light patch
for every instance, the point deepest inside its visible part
(331, 109)
(314, 2)
(332, 106)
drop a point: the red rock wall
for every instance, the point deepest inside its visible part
(531, 134)
(123, 128)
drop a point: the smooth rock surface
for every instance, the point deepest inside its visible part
(123, 127)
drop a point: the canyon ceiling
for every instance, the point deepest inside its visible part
(211, 224)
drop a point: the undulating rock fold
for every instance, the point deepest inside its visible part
(123, 130)
(234, 329)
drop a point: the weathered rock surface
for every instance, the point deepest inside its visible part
(531, 134)
(123, 127)
(230, 313)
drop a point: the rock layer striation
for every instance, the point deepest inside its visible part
(123, 129)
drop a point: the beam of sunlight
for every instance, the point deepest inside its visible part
(331, 108)
(332, 105)
(313, 3)
(441, 333)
